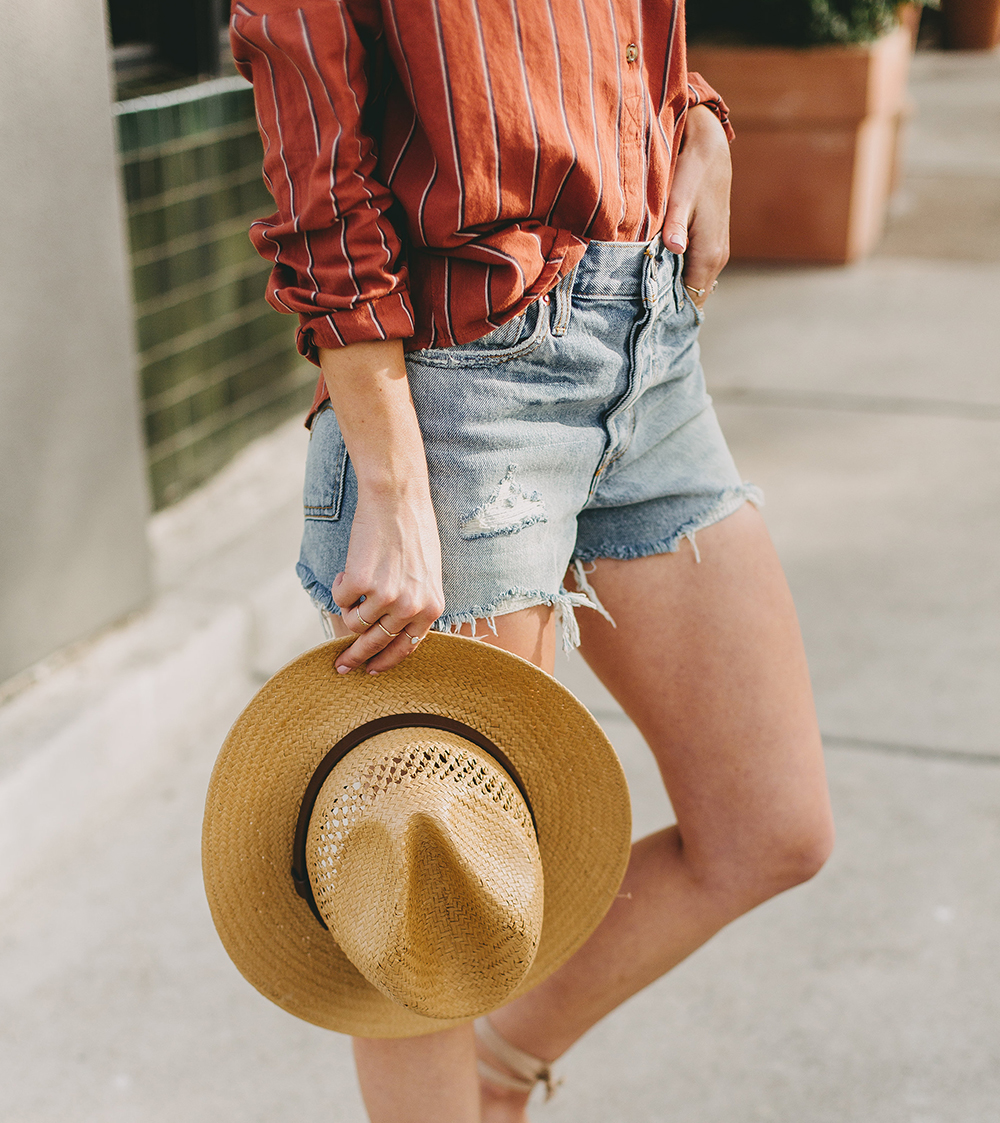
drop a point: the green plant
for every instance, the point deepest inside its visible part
(791, 23)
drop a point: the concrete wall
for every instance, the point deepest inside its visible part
(73, 502)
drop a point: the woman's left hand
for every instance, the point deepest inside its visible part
(697, 222)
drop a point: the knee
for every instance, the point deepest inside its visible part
(773, 859)
(798, 853)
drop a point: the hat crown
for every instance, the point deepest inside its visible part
(425, 867)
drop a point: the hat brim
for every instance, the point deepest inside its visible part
(573, 779)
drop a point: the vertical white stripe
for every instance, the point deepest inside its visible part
(391, 9)
(488, 296)
(334, 152)
(531, 105)
(446, 82)
(493, 111)
(403, 305)
(277, 124)
(375, 321)
(260, 124)
(562, 107)
(402, 151)
(357, 170)
(509, 258)
(335, 142)
(447, 299)
(618, 118)
(593, 112)
(671, 35)
(305, 85)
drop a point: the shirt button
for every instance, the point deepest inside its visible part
(631, 52)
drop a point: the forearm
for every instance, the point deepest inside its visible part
(370, 395)
(393, 568)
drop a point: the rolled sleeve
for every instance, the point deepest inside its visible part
(337, 257)
(701, 93)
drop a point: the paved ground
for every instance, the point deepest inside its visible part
(866, 402)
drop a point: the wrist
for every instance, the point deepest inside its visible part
(704, 123)
(389, 484)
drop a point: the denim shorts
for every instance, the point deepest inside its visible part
(579, 430)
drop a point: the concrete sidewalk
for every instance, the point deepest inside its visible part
(866, 403)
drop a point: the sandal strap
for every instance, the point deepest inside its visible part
(529, 1070)
(495, 1076)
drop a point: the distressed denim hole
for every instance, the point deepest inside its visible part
(509, 509)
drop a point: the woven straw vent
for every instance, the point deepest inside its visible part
(424, 864)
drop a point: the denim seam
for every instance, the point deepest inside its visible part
(563, 304)
(635, 335)
(329, 512)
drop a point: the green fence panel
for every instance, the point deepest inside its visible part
(218, 366)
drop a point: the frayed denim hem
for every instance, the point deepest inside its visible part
(322, 597)
(564, 602)
(726, 504)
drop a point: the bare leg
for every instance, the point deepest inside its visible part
(433, 1079)
(708, 662)
(419, 1079)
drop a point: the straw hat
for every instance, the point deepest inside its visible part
(388, 855)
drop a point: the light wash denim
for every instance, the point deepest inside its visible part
(579, 430)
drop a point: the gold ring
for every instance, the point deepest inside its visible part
(362, 619)
(412, 639)
(391, 635)
(701, 292)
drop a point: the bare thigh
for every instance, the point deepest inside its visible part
(708, 661)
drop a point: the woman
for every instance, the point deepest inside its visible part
(482, 212)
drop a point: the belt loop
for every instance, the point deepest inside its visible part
(649, 274)
(677, 262)
(563, 303)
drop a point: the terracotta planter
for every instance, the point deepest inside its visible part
(971, 25)
(817, 136)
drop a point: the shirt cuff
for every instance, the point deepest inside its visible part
(385, 317)
(701, 93)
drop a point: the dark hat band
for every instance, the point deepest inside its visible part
(300, 874)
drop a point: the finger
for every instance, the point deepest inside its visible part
(675, 235)
(395, 652)
(698, 294)
(363, 616)
(410, 624)
(699, 273)
(385, 642)
(702, 266)
(347, 590)
(680, 207)
(376, 631)
(364, 648)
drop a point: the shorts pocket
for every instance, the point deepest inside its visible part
(326, 469)
(512, 340)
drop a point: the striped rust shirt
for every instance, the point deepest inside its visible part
(437, 165)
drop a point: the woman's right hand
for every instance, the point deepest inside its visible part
(394, 563)
(391, 582)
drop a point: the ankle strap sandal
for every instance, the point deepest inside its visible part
(528, 1070)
